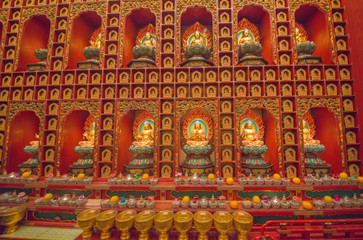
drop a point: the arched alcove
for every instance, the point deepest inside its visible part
(35, 35)
(194, 14)
(327, 132)
(125, 139)
(134, 22)
(72, 134)
(315, 22)
(23, 128)
(82, 28)
(260, 17)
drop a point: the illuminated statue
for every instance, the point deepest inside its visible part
(299, 36)
(96, 40)
(197, 43)
(198, 39)
(252, 146)
(249, 135)
(146, 137)
(308, 140)
(30, 165)
(148, 41)
(245, 38)
(92, 52)
(89, 138)
(197, 136)
(198, 132)
(144, 49)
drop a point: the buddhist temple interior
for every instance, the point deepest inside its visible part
(140, 119)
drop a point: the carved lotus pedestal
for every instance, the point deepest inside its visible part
(85, 163)
(253, 161)
(305, 50)
(92, 54)
(197, 56)
(144, 57)
(313, 164)
(40, 54)
(250, 54)
(31, 164)
(143, 161)
(197, 161)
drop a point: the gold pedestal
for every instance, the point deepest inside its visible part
(163, 222)
(9, 217)
(86, 220)
(203, 223)
(223, 221)
(124, 222)
(104, 221)
(243, 222)
(143, 222)
(183, 221)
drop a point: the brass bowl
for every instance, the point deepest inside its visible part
(86, 220)
(203, 222)
(163, 222)
(104, 221)
(124, 222)
(243, 222)
(143, 222)
(183, 221)
(223, 221)
(9, 217)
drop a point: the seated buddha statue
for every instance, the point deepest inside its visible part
(89, 139)
(198, 39)
(246, 38)
(149, 41)
(146, 136)
(36, 142)
(308, 140)
(197, 136)
(249, 136)
(299, 36)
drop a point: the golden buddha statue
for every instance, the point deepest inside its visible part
(146, 137)
(198, 39)
(197, 136)
(246, 38)
(299, 36)
(96, 42)
(249, 135)
(149, 41)
(89, 138)
(308, 140)
(36, 142)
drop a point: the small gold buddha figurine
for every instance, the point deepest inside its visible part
(299, 36)
(249, 135)
(149, 41)
(146, 137)
(308, 140)
(36, 142)
(198, 38)
(246, 38)
(197, 136)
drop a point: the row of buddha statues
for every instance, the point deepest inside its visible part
(197, 143)
(197, 46)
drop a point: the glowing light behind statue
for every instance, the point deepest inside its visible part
(246, 26)
(189, 37)
(143, 36)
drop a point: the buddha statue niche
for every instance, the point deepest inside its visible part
(197, 134)
(85, 147)
(313, 147)
(305, 48)
(41, 55)
(252, 145)
(92, 52)
(249, 48)
(143, 146)
(197, 43)
(30, 165)
(144, 50)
